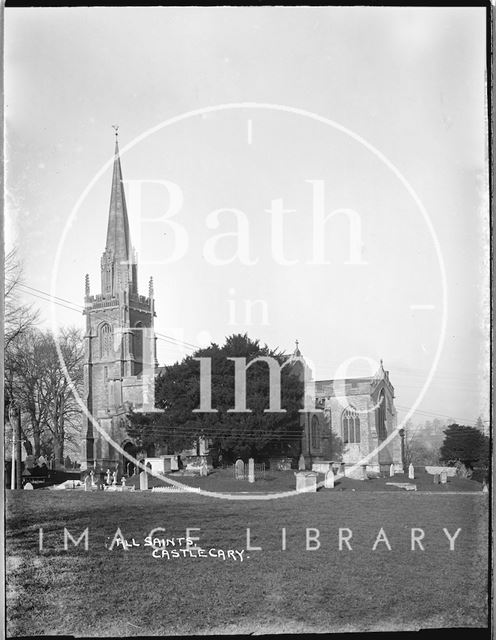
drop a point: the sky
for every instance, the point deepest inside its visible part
(374, 115)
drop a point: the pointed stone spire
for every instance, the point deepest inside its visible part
(87, 285)
(150, 288)
(119, 269)
(118, 242)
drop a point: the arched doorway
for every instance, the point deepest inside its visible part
(128, 467)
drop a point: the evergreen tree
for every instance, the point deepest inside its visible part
(232, 434)
(465, 444)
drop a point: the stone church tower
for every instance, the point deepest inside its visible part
(120, 352)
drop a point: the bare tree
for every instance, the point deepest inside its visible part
(51, 414)
(18, 317)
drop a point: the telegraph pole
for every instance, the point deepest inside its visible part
(16, 471)
(12, 410)
(18, 441)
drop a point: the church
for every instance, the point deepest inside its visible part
(352, 417)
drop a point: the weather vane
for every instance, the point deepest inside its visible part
(115, 127)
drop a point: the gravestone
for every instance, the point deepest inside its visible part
(114, 478)
(28, 486)
(143, 481)
(357, 472)
(329, 479)
(436, 478)
(87, 483)
(203, 469)
(411, 472)
(306, 481)
(107, 478)
(251, 470)
(123, 482)
(485, 487)
(443, 477)
(391, 470)
(92, 478)
(239, 470)
(301, 463)
(403, 485)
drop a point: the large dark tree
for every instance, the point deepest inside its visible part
(465, 444)
(257, 433)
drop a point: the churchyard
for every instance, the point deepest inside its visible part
(360, 556)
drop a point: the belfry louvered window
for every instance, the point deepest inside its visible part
(105, 340)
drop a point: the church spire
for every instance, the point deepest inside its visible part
(119, 271)
(118, 242)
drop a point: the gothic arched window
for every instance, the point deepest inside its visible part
(381, 417)
(105, 340)
(314, 433)
(137, 347)
(351, 425)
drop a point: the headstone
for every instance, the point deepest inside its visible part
(204, 469)
(28, 486)
(357, 472)
(301, 463)
(143, 481)
(436, 478)
(451, 471)
(329, 479)
(444, 477)
(411, 472)
(239, 470)
(107, 478)
(485, 487)
(87, 483)
(306, 481)
(123, 481)
(251, 470)
(92, 478)
(114, 478)
(391, 470)
(403, 485)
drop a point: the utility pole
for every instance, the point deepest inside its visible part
(18, 441)
(12, 466)
(15, 422)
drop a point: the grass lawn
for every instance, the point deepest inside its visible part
(118, 592)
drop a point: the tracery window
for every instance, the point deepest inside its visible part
(381, 417)
(314, 432)
(351, 425)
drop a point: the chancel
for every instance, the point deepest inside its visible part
(354, 418)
